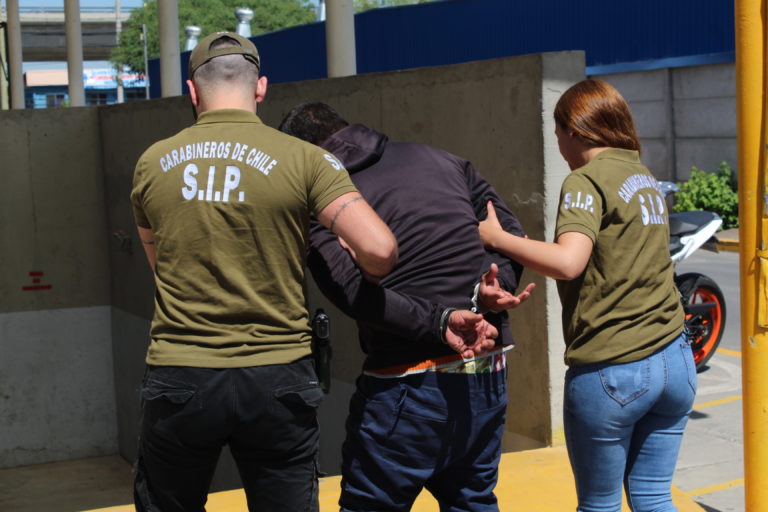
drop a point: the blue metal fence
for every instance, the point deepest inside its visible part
(616, 35)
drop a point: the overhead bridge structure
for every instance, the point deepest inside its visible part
(43, 38)
(71, 34)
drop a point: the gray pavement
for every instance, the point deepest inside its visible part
(710, 466)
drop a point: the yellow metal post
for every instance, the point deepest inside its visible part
(753, 234)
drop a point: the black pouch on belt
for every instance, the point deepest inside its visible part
(321, 348)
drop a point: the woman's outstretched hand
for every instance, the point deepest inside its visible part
(490, 228)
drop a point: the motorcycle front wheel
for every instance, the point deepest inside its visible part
(705, 325)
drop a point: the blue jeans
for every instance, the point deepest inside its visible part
(624, 423)
(437, 431)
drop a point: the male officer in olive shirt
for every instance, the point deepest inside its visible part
(223, 212)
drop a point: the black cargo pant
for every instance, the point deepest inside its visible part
(267, 415)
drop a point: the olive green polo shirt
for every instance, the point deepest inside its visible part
(228, 200)
(625, 305)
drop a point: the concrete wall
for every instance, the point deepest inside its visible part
(685, 117)
(557, 76)
(126, 131)
(56, 387)
(496, 113)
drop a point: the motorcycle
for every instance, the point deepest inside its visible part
(703, 301)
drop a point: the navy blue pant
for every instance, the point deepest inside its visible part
(437, 431)
(267, 416)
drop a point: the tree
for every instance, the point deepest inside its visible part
(210, 16)
(364, 5)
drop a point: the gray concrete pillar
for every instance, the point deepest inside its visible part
(16, 75)
(74, 38)
(340, 38)
(170, 54)
(5, 100)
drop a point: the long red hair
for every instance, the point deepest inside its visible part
(598, 114)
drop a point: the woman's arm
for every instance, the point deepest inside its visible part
(566, 258)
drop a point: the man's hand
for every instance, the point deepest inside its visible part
(469, 334)
(492, 297)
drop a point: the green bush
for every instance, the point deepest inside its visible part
(711, 191)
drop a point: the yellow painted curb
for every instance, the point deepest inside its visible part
(537, 480)
(739, 482)
(728, 245)
(722, 401)
(728, 352)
